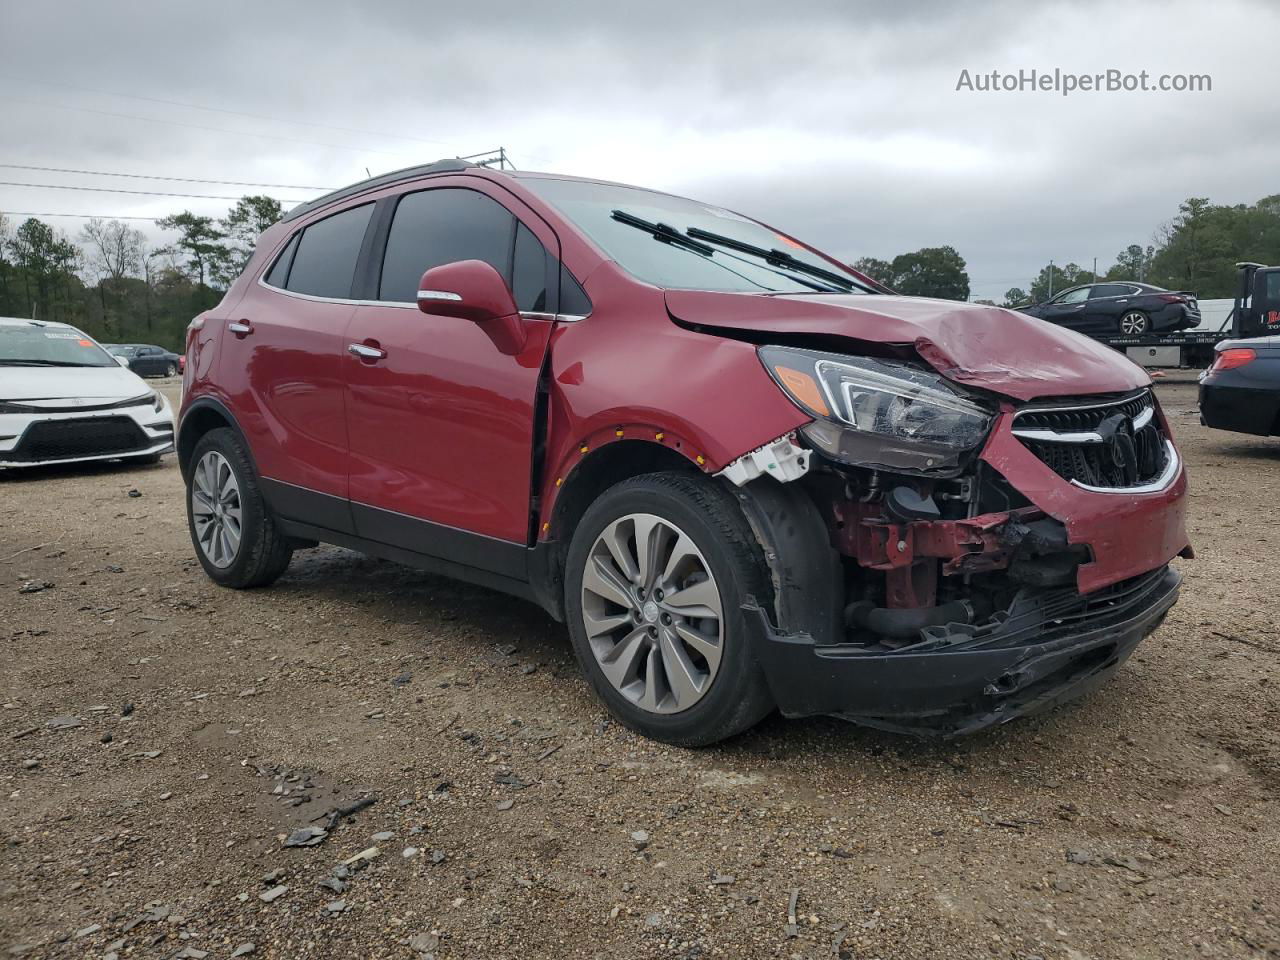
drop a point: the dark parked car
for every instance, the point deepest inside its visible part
(1120, 308)
(147, 360)
(1241, 391)
(744, 478)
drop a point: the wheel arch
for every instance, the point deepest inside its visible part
(203, 415)
(569, 495)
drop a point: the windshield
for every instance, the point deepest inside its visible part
(34, 345)
(664, 240)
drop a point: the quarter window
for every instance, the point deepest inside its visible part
(529, 272)
(324, 263)
(278, 275)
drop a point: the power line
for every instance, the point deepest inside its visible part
(82, 216)
(144, 176)
(143, 193)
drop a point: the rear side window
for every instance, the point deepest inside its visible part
(1109, 290)
(441, 226)
(324, 263)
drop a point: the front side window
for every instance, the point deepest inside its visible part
(324, 264)
(1075, 296)
(441, 226)
(677, 243)
(35, 345)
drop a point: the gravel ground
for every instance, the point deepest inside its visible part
(201, 727)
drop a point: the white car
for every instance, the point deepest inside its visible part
(63, 399)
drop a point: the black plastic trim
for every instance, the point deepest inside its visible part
(501, 557)
(291, 502)
(411, 558)
(382, 180)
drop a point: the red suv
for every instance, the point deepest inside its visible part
(746, 476)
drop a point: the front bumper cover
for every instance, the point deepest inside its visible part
(1048, 647)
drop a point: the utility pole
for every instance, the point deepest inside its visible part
(491, 158)
(1050, 279)
(1095, 269)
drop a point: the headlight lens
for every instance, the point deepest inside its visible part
(159, 401)
(879, 414)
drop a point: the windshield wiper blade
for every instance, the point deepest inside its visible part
(662, 231)
(773, 257)
(18, 362)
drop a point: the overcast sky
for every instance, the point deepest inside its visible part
(837, 122)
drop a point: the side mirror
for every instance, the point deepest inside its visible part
(473, 290)
(123, 361)
(467, 289)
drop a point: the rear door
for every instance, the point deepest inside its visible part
(441, 420)
(281, 361)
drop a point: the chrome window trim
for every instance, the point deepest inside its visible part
(527, 314)
(1173, 467)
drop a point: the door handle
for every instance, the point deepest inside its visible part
(241, 328)
(366, 352)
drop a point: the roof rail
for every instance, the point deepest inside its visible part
(395, 176)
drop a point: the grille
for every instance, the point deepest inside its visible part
(89, 437)
(1072, 418)
(1116, 444)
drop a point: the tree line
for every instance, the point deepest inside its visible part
(1196, 250)
(112, 283)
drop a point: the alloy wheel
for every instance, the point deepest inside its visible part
(652, 613)
(216, 509)
(1133, 322)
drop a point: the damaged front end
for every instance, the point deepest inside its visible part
(946, 561)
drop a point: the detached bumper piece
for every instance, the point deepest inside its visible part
(1049, 646)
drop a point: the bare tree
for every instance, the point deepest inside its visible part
(115, 250)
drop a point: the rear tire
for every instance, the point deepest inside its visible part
(171, 370)
(1134, 323)
(235, 537)
(680, 668)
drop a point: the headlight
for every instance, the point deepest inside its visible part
(879, 414)
(159, 401)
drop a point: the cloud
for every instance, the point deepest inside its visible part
(838, 122)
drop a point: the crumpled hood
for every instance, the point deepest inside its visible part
(985, 347)
(62, 383)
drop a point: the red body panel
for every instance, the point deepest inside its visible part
(987, 347)
(1128, 533)
(441, 429)
(284, 383)
(629, 368)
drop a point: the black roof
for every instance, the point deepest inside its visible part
(395, 176)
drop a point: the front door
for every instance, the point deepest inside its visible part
(1068, 310)
(440, 420)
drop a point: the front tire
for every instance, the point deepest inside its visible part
(171, 370)
(1134, 323)
(235, 537)
(656, 575)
